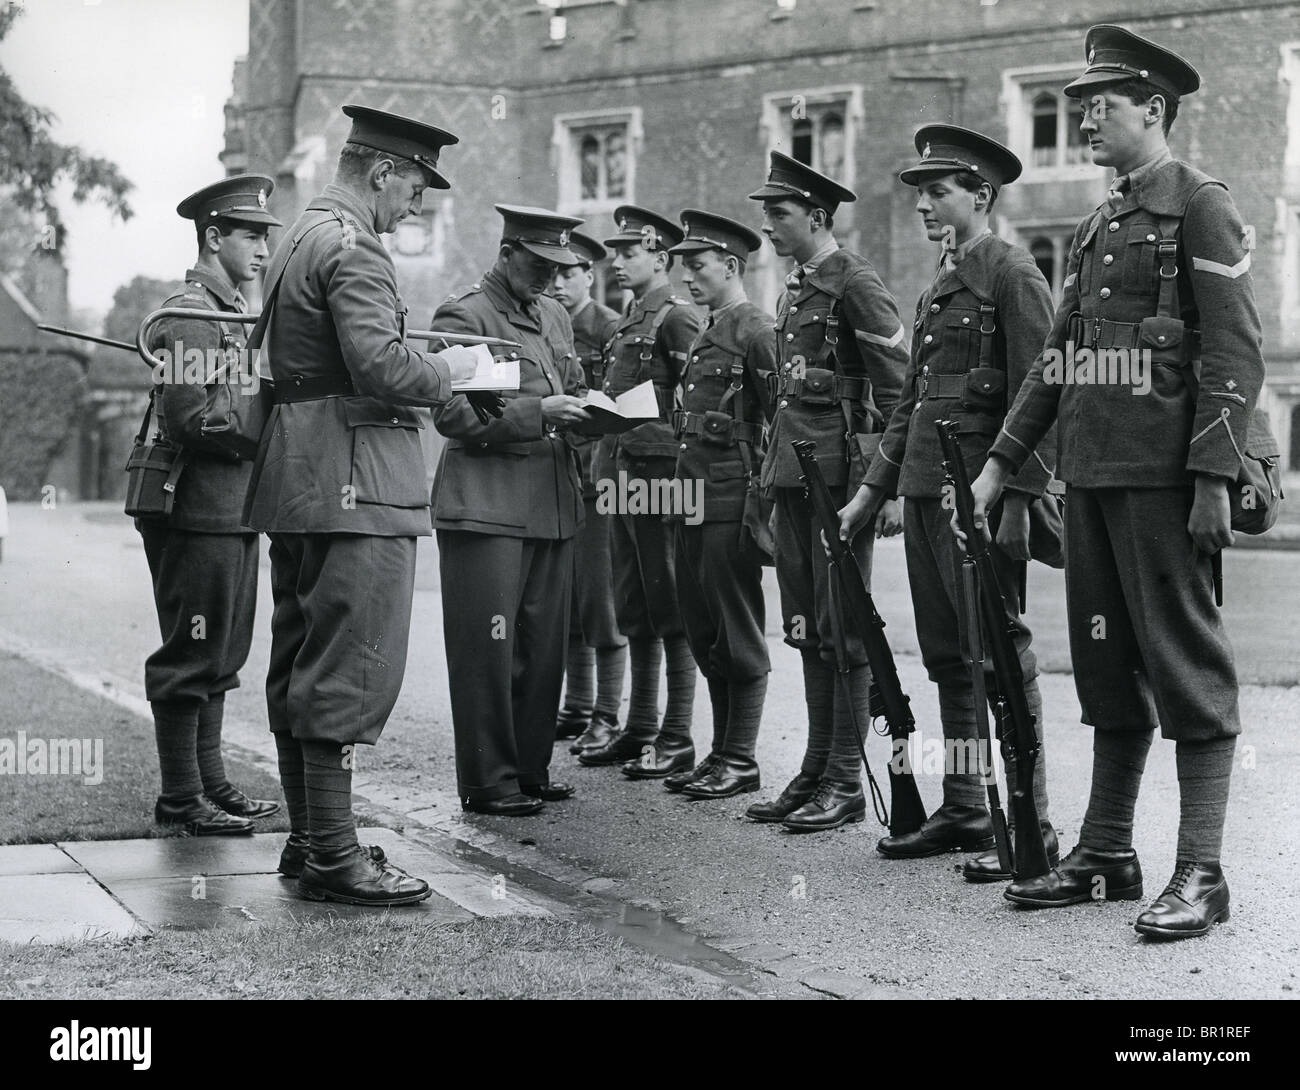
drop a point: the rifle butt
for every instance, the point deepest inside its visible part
(1030, 851)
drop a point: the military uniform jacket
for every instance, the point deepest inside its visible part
(1108, 436)
(735, 346)
(627, 365)
(593, 326)
(514, 476)
(871, 344)
(346, 464)
(210, 492)
(944, 379)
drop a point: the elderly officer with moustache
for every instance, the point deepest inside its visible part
(978, 329)
(650, 342)
(842, 351)
(1161, 269)
(339, 485)
(507, 502)
(719, 560)
(590, 711)
(203, 562)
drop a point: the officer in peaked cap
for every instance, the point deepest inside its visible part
(1160, 276)
(202, 561)
(720, 553)
(993, 296)
(339, 485)
(597, 655)
(842, 351)
(507, 502)
(650, 342)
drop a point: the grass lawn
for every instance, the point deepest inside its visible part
(39, 809)
(373, 958)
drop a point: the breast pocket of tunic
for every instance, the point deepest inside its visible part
(387, 458)
(1140, 261)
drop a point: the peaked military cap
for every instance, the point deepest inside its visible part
(401, 136)
(241, 198)
(1115, 55)
(586, 249)
(641, 225)
(709, 231)
(946, 149)
(540, 231)
(790, 178)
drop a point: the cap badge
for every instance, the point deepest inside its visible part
(925, 152)
(261, 198)
(1092, 56)
(622, 224)
(564, 238)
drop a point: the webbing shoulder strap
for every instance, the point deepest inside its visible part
(259, 329)
(1167, 305)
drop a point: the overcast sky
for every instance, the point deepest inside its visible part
(143, 83)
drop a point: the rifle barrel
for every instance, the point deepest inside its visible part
(87, 337)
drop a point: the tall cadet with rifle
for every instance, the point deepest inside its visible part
(841, 351)
(979, 327)
(1162, 269)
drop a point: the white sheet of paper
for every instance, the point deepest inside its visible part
(639, 402)
(492, 374)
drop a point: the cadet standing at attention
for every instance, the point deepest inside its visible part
(979, 327)
(719, 562)
(842, 351)
(649, 343)
(1162, 272)
(507, 502)
(339, 485)
(590, 711)
(203, 562)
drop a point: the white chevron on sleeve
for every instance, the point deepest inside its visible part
(1204, 264)
(883, 342)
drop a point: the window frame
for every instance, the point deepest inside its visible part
(1020, 87)
(566, 136)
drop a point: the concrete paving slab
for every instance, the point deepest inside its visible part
(223, 901)
(112, 861)
(485, 895)
(36, 859)
(50, 908)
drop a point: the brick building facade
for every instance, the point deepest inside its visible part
(582, 105)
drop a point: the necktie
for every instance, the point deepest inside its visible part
(1115, 195)
(795, 280)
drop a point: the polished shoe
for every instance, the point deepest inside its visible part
(731, 776)
(234, 801)
(794, 795)
(678, 780)
(1193, 902)
(603, 730)
(297, 847)
(353, 877)
(948, 829)
(1083, 875)
(621, 747)
(196, 816)
(570, 724)
(517, 805)
(668, 755)
(832, 804)
(548, 792)
(988, 868)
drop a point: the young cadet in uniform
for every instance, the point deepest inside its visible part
(507, 502)
(590, 711)
(650, 342)
(718, 562)
(203, 563)
(1148, 478)
(979, 327)
(339, 485)
(842, 351)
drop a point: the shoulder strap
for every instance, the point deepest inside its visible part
(1167, 305)
(259, 329)
(988, 326)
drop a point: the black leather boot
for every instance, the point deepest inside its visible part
(988, 868)
(793, 795)
(603, 730)
(1084, 875)
(832, 804)
(195, 815)
(621, 747)
(519, 805)
(948, 829)
(297, 847)
(352, 877)
(1193, 902)
(570, 723)
(672, 753)
(730, 776)
(554, 791)
(678, 780)
(234, 801)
